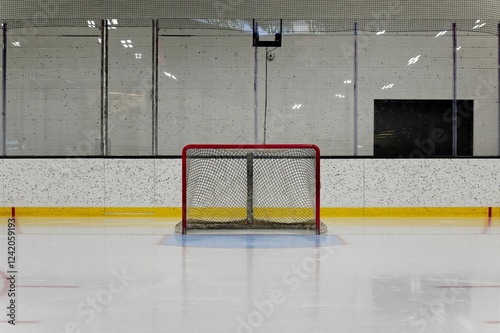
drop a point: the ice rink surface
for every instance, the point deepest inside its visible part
(366, 276)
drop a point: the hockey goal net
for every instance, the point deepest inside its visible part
(250, 187)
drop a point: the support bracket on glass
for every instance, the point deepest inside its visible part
(257, 42)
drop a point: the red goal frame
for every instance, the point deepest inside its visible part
(249, 146)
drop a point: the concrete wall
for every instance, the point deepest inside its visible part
(157, 182)
(206, 88)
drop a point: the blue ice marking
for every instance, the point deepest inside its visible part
(252, 241)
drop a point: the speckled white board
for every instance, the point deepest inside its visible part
(168, 183)
(130, 183)
(2, 181)
(344, 182)
(432, 183)
(53, 182)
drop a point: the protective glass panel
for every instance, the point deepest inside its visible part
(206, 88)
(53, 90)
(404, 66)
(130, 90)
(309, 89)
(477, 73)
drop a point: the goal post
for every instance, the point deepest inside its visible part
(249, 186)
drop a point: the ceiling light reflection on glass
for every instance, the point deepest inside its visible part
(479, 24)
(138, 55)
(112, 23)
(389, 86)
(380, 32)
(127, 43)
(91, 23)
(16, 43)
(170, 75)
(441, 33)
(297, 106)
(414, 60)
(347, 81)
(339, 96)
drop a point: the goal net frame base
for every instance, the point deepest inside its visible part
(256, 225)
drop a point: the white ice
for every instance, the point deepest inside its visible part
(383, 278)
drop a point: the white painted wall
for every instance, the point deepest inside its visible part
(53, 88)
(157, 182)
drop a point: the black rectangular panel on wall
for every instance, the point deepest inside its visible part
(421, 128)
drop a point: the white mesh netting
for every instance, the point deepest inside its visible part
(251, 188)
